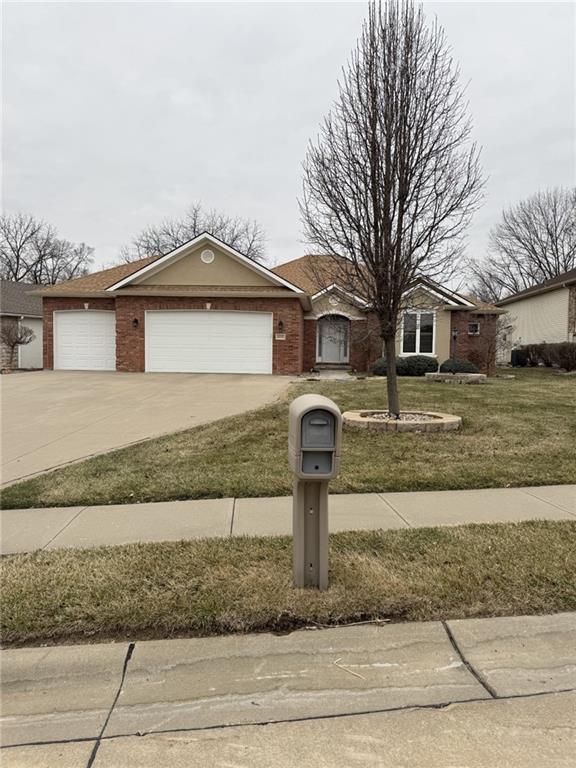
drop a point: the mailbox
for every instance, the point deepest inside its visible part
(314, 437)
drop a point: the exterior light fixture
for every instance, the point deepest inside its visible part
(280, 326)
(135, 323)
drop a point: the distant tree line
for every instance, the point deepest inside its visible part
(32, 252)
(534, 241)
(245, 235)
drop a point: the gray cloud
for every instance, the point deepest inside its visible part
(118, 114)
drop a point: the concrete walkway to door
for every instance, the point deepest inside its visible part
(50, 418)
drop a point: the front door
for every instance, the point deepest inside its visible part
(333, 339)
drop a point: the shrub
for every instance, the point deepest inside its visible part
(380, 368)
(519, 358)
(415, 365)
(458, 366)
(566, 355)
(562, 355)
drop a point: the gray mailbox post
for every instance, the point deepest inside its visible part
(314, 442)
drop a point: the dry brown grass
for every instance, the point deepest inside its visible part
(515, 432)
(217, 586)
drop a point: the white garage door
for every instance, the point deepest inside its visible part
(209, 342)
(85, 341)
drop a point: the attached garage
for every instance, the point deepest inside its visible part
(202, 308)
(85, 340)
(208, 341)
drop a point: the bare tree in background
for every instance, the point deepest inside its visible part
(242, 234)
(535, 241)
(13, 336)
(392, 182)
(32, 252)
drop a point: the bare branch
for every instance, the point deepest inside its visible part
(14, 335)
(31, 252)
(243, 235)
(393, 179)
(535, 241)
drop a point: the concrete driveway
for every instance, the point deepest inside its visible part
(50, 418)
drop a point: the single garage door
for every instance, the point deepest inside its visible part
(208, 341)
(85, 340)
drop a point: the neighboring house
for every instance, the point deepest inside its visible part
(20, 306)
(206, 308)
(544, 313)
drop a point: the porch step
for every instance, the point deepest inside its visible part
(332, 367)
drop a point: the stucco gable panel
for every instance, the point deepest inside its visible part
(189, 269)
(334, 303)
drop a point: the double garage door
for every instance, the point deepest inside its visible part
(185, 341)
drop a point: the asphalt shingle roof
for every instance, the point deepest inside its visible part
(553, 282)
(17, 299)
(97, 281)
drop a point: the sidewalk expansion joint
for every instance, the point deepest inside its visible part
(96, 746)
(546, 501)
(64, 527)
(393, 508)
(474, 672)
(233, 513)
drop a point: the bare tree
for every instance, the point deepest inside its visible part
(242, 234)
(32, 252)
(393, 179)
(13, 336)
(535, 241)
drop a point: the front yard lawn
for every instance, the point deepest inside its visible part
(219, 586)
(516, 432)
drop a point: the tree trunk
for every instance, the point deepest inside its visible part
(391, 378)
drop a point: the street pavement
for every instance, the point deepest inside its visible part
(475, 693)
(26, 530)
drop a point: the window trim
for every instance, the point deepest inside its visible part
(474, 333)
(418, 312)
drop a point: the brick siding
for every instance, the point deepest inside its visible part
(309, 352)
(481, 349)
(365, 343)
(286, 355)
(56, 304)
(572, 314)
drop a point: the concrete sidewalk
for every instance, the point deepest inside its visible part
(478, 692)
(25, 530)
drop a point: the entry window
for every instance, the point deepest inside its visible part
(418, 333)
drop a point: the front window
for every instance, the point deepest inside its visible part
(418, 333)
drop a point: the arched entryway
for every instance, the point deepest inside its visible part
(333, 339)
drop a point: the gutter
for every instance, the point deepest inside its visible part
(535, 292)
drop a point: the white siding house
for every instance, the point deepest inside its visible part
(545, 313)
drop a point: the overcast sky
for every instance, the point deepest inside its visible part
(117, 115)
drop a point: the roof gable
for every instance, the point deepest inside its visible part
(440, 293)
(204, 260)
(553, 284)
(316, 273)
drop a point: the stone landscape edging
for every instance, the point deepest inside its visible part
(442, 422)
